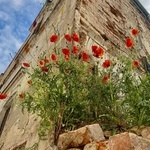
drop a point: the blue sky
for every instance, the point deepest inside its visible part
(16, 16)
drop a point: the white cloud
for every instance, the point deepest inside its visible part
(8, 44)
(4, 16)
(17, 4)
(8, 40)
(146, 4)
(13, 4)
(16, 16)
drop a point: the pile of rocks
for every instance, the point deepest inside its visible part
(91, 137)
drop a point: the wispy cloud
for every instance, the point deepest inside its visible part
(146, 4)
(16, 16)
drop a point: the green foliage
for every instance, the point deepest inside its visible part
(72, 93)
(59, 96)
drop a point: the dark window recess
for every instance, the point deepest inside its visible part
(4, 120)
(145, 64)
(104, 37)
(49, 1)
(36, 30)
(34, 23)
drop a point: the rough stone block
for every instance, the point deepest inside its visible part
(119, 142)
(96, 146)
(139, 143)
(80, 137)
(146, 133)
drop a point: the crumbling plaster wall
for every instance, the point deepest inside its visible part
(109, 22)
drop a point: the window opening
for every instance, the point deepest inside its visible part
(4, 120)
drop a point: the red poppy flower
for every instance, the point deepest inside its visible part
(21, 96)
(54, 38)
(105, 79)
(3, 96)
(94, 47)
(25, 64)
(84, 56)
(106, 63)
(75, 37)
(134, 32)
(99, 52)
(66, 57)
(66, 51)
(129, 42)
(68, 37)
(41, 62)
(46, 60)
(45, 69)
(53, 57)
(136, 63)
(29, 82)
(75, 49)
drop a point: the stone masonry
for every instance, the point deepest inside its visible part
(103, 22)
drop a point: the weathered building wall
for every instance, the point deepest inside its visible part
(109, 23)
(104, 22)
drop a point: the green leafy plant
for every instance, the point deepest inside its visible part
(69, 90)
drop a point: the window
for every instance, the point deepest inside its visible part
(5, 112)
(4, 120)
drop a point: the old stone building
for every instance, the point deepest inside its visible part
(104, 22)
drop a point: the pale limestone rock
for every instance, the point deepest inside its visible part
(146, 133)
(137, 130)
(119, 142)
(91, 146)
(80, 137)
(139, 143)
(96, 132)
(45, 145)
(96, 146)
(128, 141)
(32, 138)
